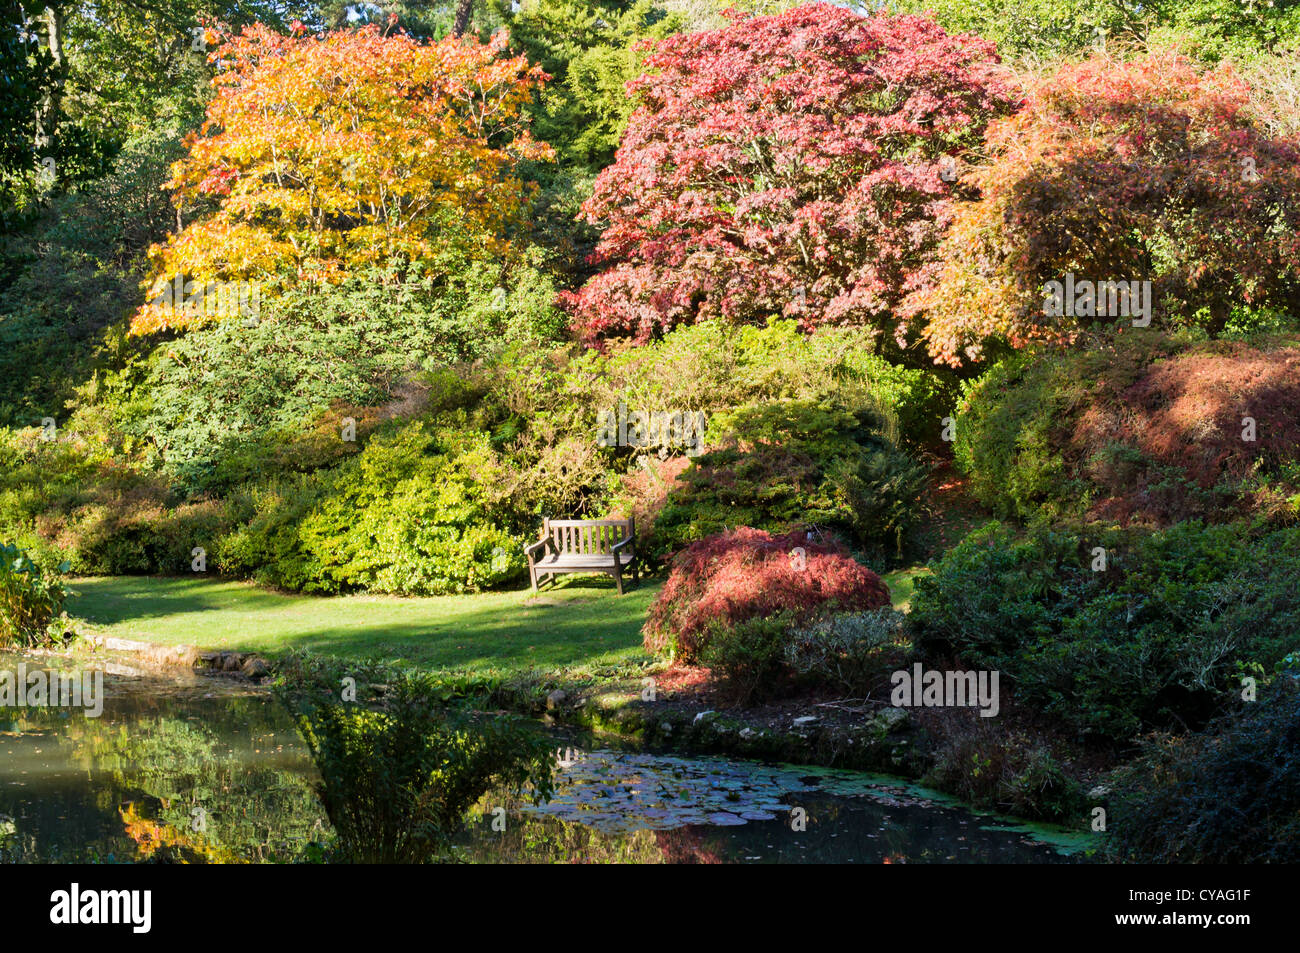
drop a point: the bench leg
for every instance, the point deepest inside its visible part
(618, 578)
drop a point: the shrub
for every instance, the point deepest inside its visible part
(1049, 29)
(1154, 639)
(745, 574)
(713, 366)
(266, 542)
(747, 657)
(1227, 795)
(1000, 769)
(396, 783)
(133, 536)
(800, 150)
(790, 465)
(416, 512)
(543, 409)
(68, 500)
(259, 406)
(1120, 171)
(75, 274)
(1149, 429)
(1044, 28)
(30, 599)
(846, 651)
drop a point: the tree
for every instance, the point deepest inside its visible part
(590, 49)
(1214, 30)
(463, 10)
(133, 65)
(1150, 170)
(786, 163)
(1039, 28)
(27, 72)
(324, 156)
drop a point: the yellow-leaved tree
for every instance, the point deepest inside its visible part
(323, 155)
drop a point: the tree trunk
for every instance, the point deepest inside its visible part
(463, 10)
(47, 111)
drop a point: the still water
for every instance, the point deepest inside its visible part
(183, 768)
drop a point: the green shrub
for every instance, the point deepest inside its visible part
(65, 499)
(713, 367)
(126, 537)
(237, 400)
(1227, 795)
(76, 274)
(748, 657)
(846, 651)
(416, 512)
(1143, 428)
(30, 599)
(1153, 640)
(396, 783)
(790, 465)
(265, 544)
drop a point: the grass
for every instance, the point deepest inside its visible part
(902, 583)
(581, 622)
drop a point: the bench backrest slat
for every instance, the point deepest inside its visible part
(587, 537)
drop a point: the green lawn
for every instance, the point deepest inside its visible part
(580, 622)
(902, 583)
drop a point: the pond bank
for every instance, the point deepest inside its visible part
(878, 742)
(179, 768)
(675, 715)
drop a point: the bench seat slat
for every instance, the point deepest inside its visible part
(597, 560)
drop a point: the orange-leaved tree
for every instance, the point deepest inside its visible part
(322, 155)
(1151, 170)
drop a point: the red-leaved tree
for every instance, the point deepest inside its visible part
(788, 164)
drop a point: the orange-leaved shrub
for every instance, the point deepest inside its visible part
(744, 574)
(1152, 170)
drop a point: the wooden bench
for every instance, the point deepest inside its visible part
(607, 546)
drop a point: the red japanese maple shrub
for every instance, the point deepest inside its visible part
(748, 573)
(785, 164)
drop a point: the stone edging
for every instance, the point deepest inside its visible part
(238, 665)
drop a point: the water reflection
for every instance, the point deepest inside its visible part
(188, 769)
(646, 808)
(175, 769)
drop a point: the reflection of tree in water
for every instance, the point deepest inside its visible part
(161, 842)
(248, 807)
(687, 845)
(229, 783)
(544, 839)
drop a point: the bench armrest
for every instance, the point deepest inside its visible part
(529, 550)
(629, 541)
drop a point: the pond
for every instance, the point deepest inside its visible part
(209, 770)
